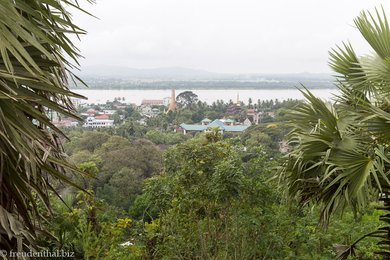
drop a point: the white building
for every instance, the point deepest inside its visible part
(108, 112)
(77, 102)
(152, 102)
(65, 122)
(166, 101)
(92, 122)
(149, 112)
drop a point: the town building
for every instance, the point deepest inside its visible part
(235, 109)
(152, 102)
(205, 121)
(93, 122)
(224, 125)
(228, 122)
(247, 122)
(91, 112)
(77, 102)
(257, 116)
(149, 112)
(252, 113)
(104, 116)
(109, 111)
(167, 101)
(65, 122)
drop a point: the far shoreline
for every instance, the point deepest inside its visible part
(136, 96)
(203, 88)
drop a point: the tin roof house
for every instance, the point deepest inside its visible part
(206, 124)
(93, 122)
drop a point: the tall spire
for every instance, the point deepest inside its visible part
(172, 103)
(238, 99)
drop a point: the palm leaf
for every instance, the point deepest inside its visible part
(34, 41)
(342, 150)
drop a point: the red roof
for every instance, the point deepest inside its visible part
(102, 117)
(152, 102)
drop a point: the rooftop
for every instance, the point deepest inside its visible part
(215, 124)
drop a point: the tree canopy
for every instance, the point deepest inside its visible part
(186, 99)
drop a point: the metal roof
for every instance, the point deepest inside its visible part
(236, 128)
(193, 127)
(229, 120)
(215, 123)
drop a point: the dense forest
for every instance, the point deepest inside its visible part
(143, 190)
(209, 197)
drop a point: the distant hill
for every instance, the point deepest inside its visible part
(173, 73)
(118, 77)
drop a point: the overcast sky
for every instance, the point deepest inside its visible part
(234, 36)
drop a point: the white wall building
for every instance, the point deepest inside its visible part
(166, 101)
(108, 112)
(92, 122)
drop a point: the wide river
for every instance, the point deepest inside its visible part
(207, 95)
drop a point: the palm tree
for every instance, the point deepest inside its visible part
(36, 59)
(342, 154)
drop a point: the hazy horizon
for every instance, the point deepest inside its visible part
(88, 67)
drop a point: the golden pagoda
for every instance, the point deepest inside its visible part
(172, 103)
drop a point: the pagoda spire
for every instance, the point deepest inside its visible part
(172, 103)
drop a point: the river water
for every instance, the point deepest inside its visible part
(100, 96)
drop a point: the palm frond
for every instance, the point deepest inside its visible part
(342, 153)
(376, 31)
(34, 73)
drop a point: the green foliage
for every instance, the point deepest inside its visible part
(81, 156)
(169, 138)
(214, 199)
(92, 229)
(212, 115)
(342, 155)
(117, 165)
(184, 116)
(140, 155)
(186, 99)
(211, 204)
(35, 63)
(85, 140)
(121, 189)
